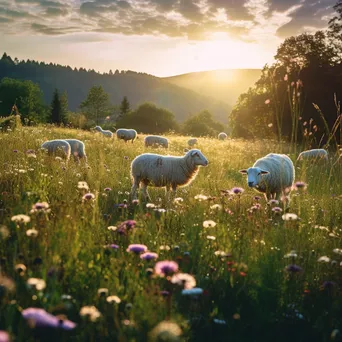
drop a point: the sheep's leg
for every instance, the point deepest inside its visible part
(145, 192)
(135, 187)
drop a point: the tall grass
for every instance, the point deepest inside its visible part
(248, 294)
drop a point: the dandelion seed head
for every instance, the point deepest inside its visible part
(209, 224)
(184, 279)
(113, 299)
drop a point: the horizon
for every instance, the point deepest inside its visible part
(163, 38)
(101, 73)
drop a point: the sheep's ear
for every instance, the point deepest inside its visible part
(263, 172)
(244, 171)
(194, 153)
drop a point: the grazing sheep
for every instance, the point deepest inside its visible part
(155, 141)
(53, 146)
(106, 133)
(192, 142)
(126, 134)
(222, 136)
(313, 155)
(77, 149)
(272, 175)
(165, 171)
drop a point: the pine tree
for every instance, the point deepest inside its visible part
(124, 107)
(64, 108)
(56, 109)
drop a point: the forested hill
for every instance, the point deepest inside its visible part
(223, 85)
(138, 87)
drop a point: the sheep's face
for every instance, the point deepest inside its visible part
(254, 176)
(198, 158)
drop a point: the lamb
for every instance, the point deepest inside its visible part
(222, 136)
(126, 134)
(272, 175)
(155, 140)
(77, 149)
(165, 171)
(192, 142)
(53, 146)
(313, 155)
(106, 133)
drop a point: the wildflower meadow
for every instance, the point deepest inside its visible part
(81, 261)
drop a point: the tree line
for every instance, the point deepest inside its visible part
(297, 97)
(96, 109)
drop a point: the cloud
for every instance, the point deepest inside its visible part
(250, 20)
(52, 31)
(309, 14)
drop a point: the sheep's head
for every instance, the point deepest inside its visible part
(197, 158)
(254, 175)
(98, 128)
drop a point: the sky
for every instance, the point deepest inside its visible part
(159, 37)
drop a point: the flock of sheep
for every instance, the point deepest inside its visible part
(272, 175)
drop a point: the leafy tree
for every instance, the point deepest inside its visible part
(202, 124)
(148, 118)
(26, 95)
(306, 50)
(96, 106)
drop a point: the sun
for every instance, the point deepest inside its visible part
(223, 52)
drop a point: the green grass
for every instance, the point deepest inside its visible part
(250, 290)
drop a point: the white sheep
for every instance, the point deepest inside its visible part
(126, 134)
(77, 149)
(222, 136)
(192, 142)
(165, 171)
(53, 146)
(313, 155)
(105, 132)
(155, 141)
(272, 175)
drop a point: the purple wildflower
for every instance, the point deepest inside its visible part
(328, 285)
(41, 318)
(165, 293)
(40, 206)
(300, 185)
(277, 210)
(273, 202)
(257, 198)
(4, 337)
(237, 191)
(89, 196)
(136, 248)
(107, 189)
(165, 267)
(135, 202)
(293, 268)
(15, 151)
(112, 246)
(128, 224)
(149, 256)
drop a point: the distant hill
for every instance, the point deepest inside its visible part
(222, 85)
(138, 87)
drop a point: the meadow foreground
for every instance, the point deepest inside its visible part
(238, 268)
